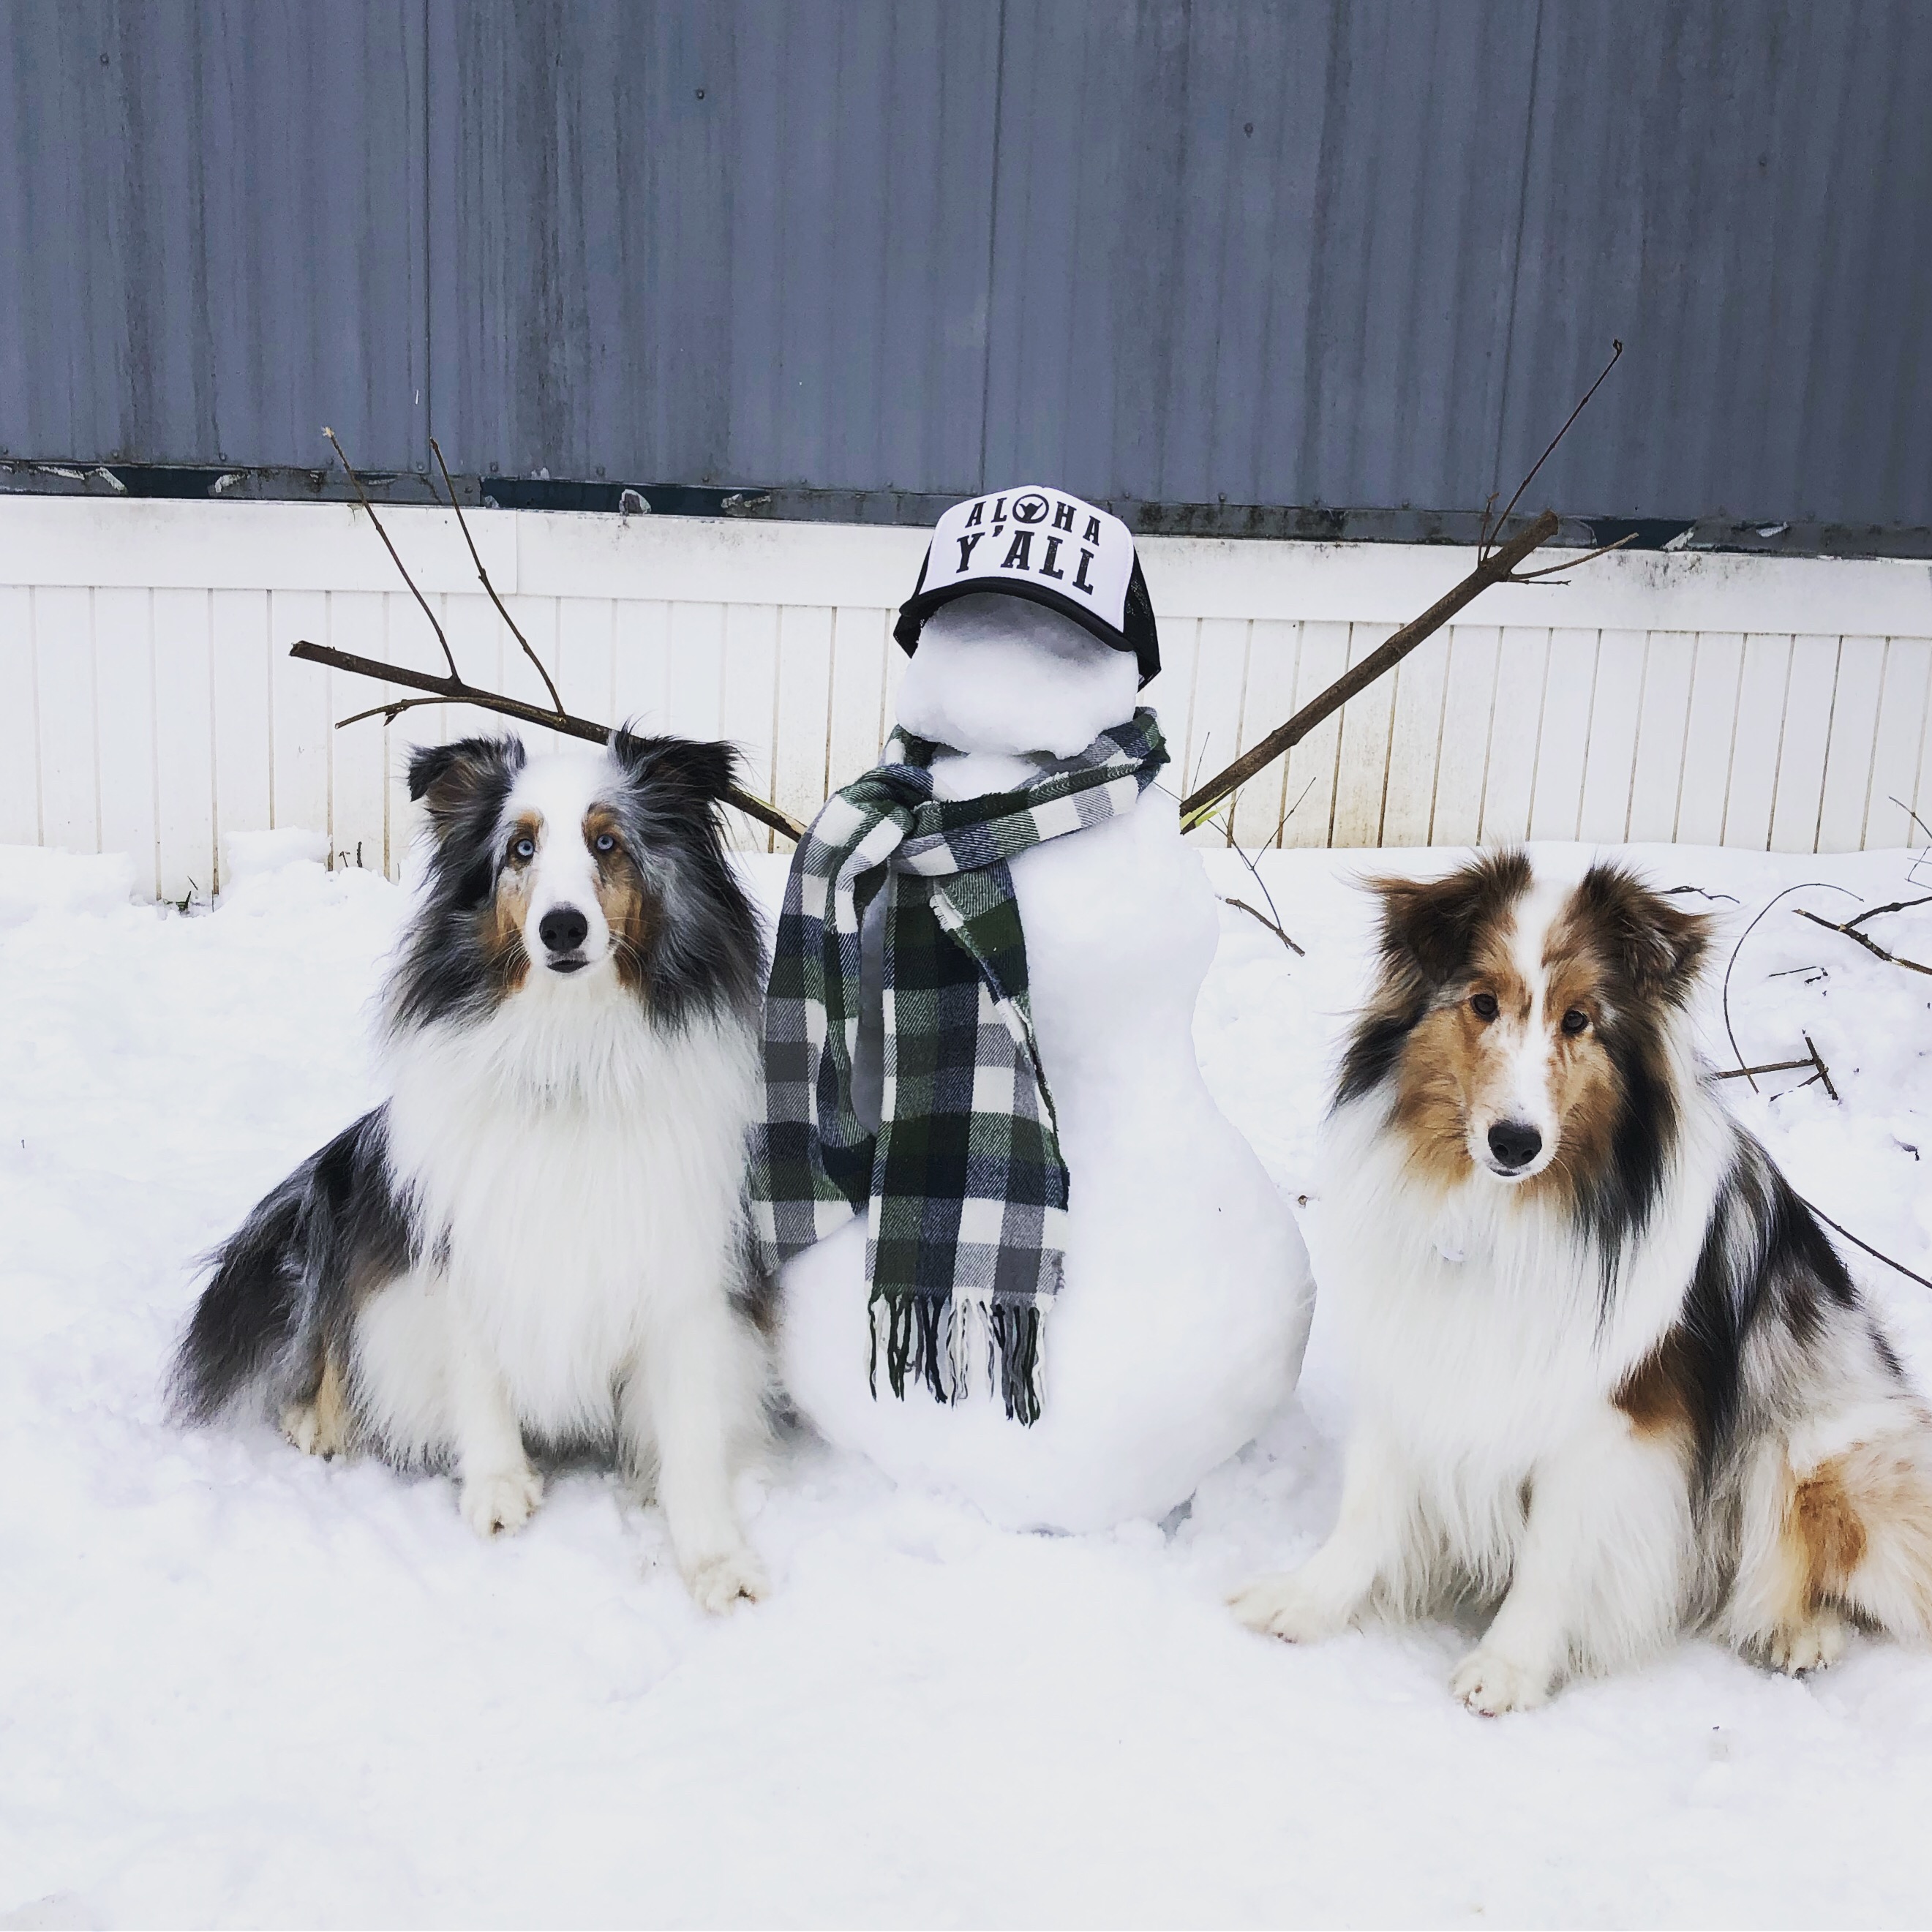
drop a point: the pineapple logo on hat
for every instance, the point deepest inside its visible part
(1049, 547)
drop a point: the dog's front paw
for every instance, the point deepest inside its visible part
(1814, 1645)
(1490, 1684)
(502, 1501)
(725, 1579)
(1288, 1607)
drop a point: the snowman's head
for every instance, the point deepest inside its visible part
(995, 673)
(1031, 625)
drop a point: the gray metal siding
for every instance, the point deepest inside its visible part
(682, 243)
(1744, 192)
(211, 229)
(1358, 254)
(1315, 312)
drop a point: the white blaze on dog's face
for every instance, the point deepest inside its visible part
(1521, 1046)
(569, 892)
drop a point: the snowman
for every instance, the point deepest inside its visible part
(1021, 1256)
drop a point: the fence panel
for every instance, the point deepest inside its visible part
(151, 707)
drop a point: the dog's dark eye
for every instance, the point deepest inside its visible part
(1484, 1006)
(524, 850)
(604, 842)
(1575, 1020)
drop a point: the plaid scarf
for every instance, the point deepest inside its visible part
(963, 1185)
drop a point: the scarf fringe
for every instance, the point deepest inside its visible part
(908, 1329)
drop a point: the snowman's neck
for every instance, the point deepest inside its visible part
(961, 775)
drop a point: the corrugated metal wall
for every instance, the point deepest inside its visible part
(1360, 254)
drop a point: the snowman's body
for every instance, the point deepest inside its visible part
(1180, 1326)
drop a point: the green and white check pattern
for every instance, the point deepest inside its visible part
(963, 1185)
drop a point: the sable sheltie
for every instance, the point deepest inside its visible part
(1609, 1374)
(538, 1240)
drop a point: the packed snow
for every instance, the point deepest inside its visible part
(997, 674)
(241, 1685)
(1179, 1327)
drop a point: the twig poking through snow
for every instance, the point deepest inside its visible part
(1814, 1060)
(1251, 912)
(1850, 929)
(1806, 885)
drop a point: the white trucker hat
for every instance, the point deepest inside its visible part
(1049, 547)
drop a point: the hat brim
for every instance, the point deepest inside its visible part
(914, 611)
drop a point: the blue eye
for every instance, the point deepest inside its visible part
(604, 842)
(525, 849)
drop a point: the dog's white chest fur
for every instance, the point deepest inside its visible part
(585, 1173)
(1477, 1328)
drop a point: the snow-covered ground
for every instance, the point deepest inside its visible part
(237, 1685)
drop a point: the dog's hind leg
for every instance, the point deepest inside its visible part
(694, 1395)
(319, 1426)
(1851, 1533)
(1887, 1485)
(1600, 1575)
(1369, 1549)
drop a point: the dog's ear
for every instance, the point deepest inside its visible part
(1429, 925)
(448, 778)
(1658, 947)
(702, 769)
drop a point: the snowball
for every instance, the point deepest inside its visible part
(998, 673)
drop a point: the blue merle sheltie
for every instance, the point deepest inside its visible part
(1609, 1374)
(537, 1242)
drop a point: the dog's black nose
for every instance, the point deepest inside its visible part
(562, 929)
(1515, 1143)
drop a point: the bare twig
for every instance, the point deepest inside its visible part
(1912, 815)
(1616, 354)
(1493, 565)
(1247, 859)
(1818, 1060)
(1495, 568)
(1272, 926)
(1897, 905)
(1878, 1254)
(1815, 1060)
(363, 495)
(1588, 556)
(1483, 532)
(1730, 964)
(1850, 929)
(550, 683)
(453, 691)
(1281, 823)
(394, 708)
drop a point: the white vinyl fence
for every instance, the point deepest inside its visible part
(147, 703)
